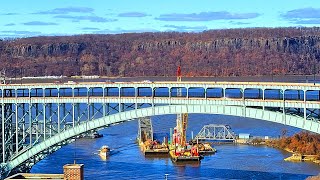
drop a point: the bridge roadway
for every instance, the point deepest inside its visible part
(155, 84)
(43, 117)
(167, 100)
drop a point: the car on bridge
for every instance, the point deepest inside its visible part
(71, 82)
(109, 81)
(147, 81)
(57, 82)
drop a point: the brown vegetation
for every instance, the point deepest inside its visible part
(314, 177)
(233, 52)
(304, 143)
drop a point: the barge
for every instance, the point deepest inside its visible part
(184, 156)
(145, 139)
(154, 148)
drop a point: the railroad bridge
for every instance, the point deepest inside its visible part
(38, 119)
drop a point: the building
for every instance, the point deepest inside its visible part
(70, 172)
(73, 171)
(244, 136)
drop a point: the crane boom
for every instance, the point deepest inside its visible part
(182, 119)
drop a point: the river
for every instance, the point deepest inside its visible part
(230, 161)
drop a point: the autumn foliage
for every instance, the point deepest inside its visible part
(305, 143)
(230, 52)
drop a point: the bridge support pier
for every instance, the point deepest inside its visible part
(283, 107)
(243, 102)
(3, 134)
(263, 98)
(305, 105)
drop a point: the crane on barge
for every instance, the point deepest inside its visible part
(182, 119)
(179, 150)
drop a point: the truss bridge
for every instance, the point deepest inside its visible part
(39, 118)
(216, 132)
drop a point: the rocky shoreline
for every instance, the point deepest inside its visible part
(295, 157)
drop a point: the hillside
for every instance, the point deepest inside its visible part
(234, 52)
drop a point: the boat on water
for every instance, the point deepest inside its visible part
(96, 135)
(92, 135)
(185, 155)
(104, 151)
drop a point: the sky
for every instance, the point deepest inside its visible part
(24, 18)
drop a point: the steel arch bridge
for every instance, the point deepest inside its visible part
(38, 119)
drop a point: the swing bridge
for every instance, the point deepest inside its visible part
(216, 132)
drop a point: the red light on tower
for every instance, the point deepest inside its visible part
(179, 71)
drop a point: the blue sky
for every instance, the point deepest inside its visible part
(22, 18)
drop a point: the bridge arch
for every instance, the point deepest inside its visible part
(277, 117)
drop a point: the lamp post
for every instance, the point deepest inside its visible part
(314, 72)
(272, 72)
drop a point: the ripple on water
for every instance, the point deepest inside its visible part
(230, 162)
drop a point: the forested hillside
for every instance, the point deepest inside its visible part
(234, 52)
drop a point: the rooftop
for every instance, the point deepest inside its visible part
(36, 176)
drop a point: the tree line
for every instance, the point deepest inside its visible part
(304, 143)
(229, 52)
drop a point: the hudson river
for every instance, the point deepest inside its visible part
(230, 161)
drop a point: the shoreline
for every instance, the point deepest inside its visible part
(295, 157)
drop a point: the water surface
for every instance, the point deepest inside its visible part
(230, 162)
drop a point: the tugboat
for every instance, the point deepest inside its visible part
(92, 135)
(104, 151)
